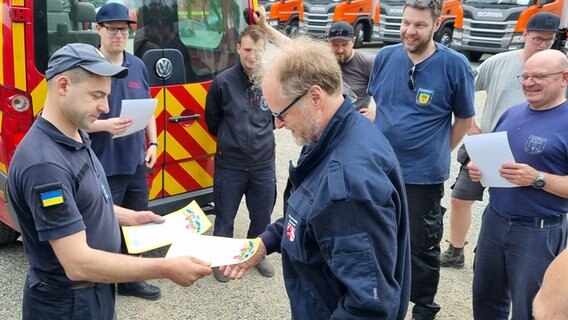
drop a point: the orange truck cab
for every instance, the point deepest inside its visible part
(319, 15)
(493, 26)
(283, 14)
(183, 45)
(391, 18)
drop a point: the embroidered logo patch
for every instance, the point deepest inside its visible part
(535, 145)
(424, 97)
(51, 198)
(291, 229)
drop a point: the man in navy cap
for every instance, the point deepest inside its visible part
(125, 159)
(64, 207)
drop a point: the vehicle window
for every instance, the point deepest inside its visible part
(203, 31)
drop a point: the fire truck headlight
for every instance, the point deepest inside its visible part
(517, 39)
(19, 103)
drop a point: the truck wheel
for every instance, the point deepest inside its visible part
(359, 35)
(472, 56)
(292, 28)
(7, 234)
(444, 36)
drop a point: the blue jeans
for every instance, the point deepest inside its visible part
(425, 215)
(259, 188)
(511, 257)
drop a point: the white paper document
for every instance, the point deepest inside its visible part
(219, 251)
(140, 111)
(489, 152)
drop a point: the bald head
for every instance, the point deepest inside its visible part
(553, 58)
(551, 302)
(544, 79)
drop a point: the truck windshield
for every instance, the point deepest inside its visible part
(500, 2)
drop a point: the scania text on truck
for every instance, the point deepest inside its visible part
(318, 16)
(283, 15)
(183, 44)
(391, 18)
(493, 26)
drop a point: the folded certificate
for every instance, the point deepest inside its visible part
(187, 220)
(140, 111)
(219, 251)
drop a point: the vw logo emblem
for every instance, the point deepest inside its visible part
(164, 68)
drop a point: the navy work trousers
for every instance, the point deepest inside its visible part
(130, 191)
(259, 188)
(511, 257)
(426, 227)
(47, 302)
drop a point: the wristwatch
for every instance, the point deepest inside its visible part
(154, 144)
(539, 182)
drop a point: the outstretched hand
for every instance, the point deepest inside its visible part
(186, 270)
(237, 271)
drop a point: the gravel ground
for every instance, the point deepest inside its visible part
(253, 297)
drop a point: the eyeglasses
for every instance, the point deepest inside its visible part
(538, 41)
(114, 30)
(537, 78)
(411, 81)
(282, 114)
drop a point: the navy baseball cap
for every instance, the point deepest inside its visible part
(341, 30)
(544, 21)
(85, 56)
(113, 11)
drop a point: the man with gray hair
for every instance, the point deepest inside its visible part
(344, 234)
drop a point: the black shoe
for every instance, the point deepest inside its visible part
(452, 258)
(139, 289)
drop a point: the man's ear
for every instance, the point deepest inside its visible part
(62, 82)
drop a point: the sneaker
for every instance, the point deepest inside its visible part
(140, 289)
(265, 268)
(219, 275)
(452, 258)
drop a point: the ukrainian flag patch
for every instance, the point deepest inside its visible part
(51, 198)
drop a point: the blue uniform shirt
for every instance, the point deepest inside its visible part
(538, 138)
(123, 155)
(417, 122)
(58, 188)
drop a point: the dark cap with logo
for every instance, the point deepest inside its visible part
(84, 56)
(113, 11)
(341, 30)
(544, 21)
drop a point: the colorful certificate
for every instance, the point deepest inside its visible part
(187, 220)
(219, 251)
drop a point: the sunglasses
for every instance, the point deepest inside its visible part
(434, 4)
(340, 33)
(282, 114)
(411, 81)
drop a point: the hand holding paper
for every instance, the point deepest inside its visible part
(189, 219)
(140, 111)
(218, 251)
(489, 152)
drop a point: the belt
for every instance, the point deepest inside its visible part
(74, 286)
(537, 222)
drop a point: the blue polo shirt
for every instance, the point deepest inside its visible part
(58, 188)
(417, 122)
(123, 155)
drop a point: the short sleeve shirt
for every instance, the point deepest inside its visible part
(58, 187)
